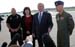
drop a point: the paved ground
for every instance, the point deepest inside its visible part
(5, 35)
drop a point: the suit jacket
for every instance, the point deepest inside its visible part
(46, 22)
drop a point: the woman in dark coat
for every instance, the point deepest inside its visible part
(26, 22)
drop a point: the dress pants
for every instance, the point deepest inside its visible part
(45, 40)
(16, 36)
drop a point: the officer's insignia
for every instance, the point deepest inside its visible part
(62, 18)
(58, 19)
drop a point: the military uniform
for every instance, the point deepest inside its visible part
(65, 25)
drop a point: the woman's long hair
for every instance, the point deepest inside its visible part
(26, 8)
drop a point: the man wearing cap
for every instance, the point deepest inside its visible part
(65, 25)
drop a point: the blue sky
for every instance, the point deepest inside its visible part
(6, 5)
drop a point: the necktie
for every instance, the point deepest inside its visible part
(40, 17)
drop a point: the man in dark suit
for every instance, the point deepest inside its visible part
(42, 25)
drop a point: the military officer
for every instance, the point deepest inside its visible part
(65, 25)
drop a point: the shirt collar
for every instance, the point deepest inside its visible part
(62, 13)
(30, 42)
(41, 13)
